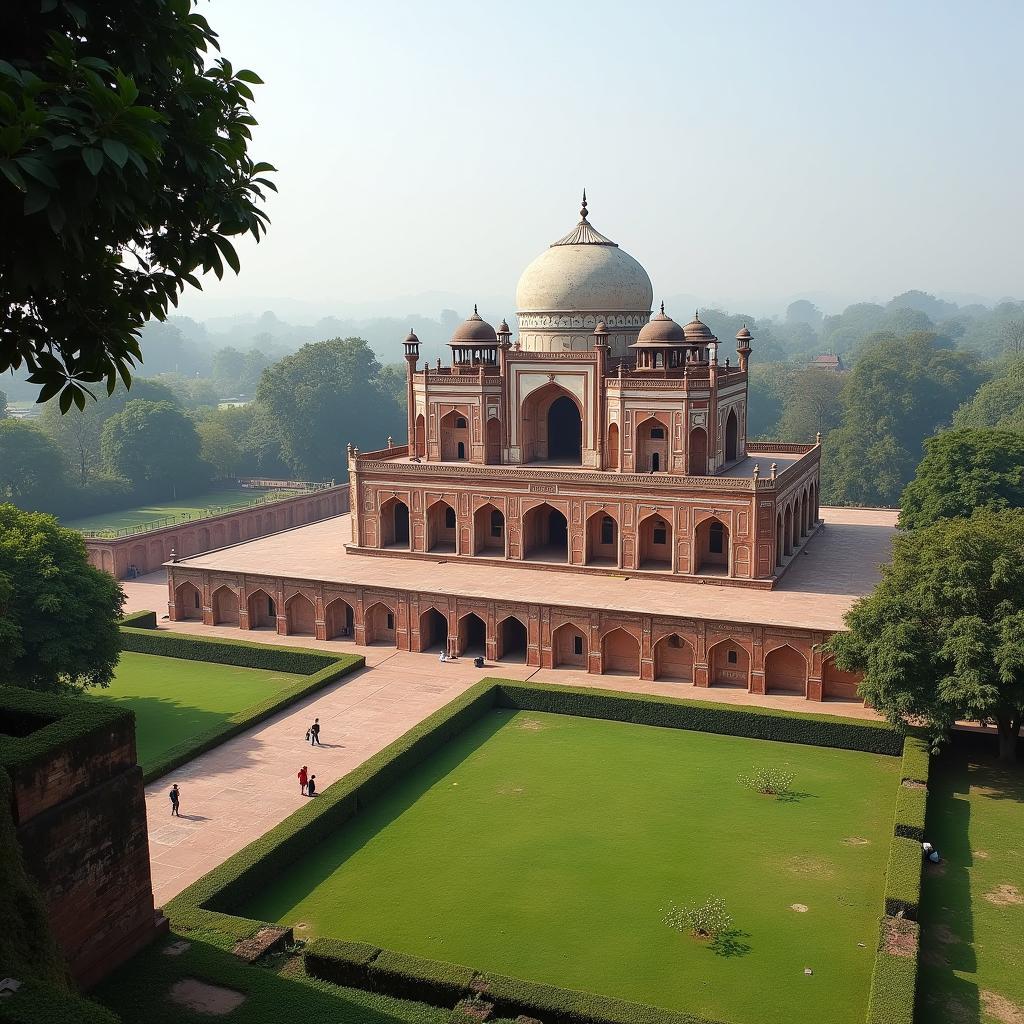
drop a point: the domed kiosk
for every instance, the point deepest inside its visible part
(581, 279)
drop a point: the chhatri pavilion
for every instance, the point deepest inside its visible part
(580, 493)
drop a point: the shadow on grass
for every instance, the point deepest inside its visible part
(795, 797)
(731, 943)
(138, 991)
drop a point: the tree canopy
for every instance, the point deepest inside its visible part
(324, 397)
(998, 402)
(964, 470)
(941, 638)
(58, 614)
(124, 170)
(29, 461)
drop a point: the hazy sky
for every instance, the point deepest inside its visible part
(742, 151)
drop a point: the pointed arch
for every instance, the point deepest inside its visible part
(433, 630)
(224, 602)
(602, 535)
(656, 543)
(805, 524)
(551, 426)
(545, 534)
(569, 646)
(300, 616)
(697, 462)
(512, 640)
(780, 540)
(454, 436)
(732, 435)
(787, 531)
(472, 635)
(442, 527)
(339, 619)
(650, 448)
(489, 531)
(188, 602)
(379, 623)
(262, 610)
(394, 524)
(620, 653)
(612, 459)
(795, 539)
(711, 548)
(785, 671)
(729, 665)
(492, 440)
(420, 437)
(673, 659)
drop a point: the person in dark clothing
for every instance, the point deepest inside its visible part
(311, 786)
(175, 796)
(314, 733)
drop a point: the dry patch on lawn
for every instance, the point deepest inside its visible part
(812, 867)
(800, 908)
(510, 789)
(856, 841)
(531, 725)
(1005, 896)
(1001, 1008)
(202, 997)
(981, 854)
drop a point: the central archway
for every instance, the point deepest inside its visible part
(224, 603)
(300, 616)
(729, 665)
(188, 602)
(656, 544)
(565, 431)
(512, 640)
(785, 671)
(262, 610)
(489, 531)
(732, 431)
(711, 548)
(552, 426)
(651, 447)
(379, 622)
(339, 619)
(394, 524)
(673, 660)
(472, 636)
(569, 646)
(433, 630)
(620, 652)
(441, 528)
(697, 464)
(545, 534)
(602, 539)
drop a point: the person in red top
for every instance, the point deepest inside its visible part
(303, 779)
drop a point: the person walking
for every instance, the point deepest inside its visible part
(314, 733)
(175, 796)
(303, 779)
(311, 786)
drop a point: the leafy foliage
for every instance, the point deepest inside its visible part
(58, 614)
(29, 461)
(769, 781)
(942, 636)
(964, 470)
(997, 403)
(706, 920)
(124, 170)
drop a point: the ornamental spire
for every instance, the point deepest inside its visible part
(583, 207)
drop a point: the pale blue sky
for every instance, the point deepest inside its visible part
(744, 152)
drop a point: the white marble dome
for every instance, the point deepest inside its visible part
(580, 279)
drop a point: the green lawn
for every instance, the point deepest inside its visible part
(195, 505)
(546, 847)
(972, 906)
(175, 700)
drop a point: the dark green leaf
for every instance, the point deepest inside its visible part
(13, 175)
(37, 169)
(117, 151)
(93, 159)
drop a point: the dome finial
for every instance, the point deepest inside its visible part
(475, 313)
(662, 307)
(583, 207)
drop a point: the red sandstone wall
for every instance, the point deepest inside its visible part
(148, 551)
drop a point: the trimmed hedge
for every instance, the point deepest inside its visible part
(903, 878)
(320, 667)
(893, 981)
(243, 874)
(411, 977)
(910, 810)
(702, 716)
(917, 759)
(243, 653)
(140, 620)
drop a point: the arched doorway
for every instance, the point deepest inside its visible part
(602, 540)
(339, 620)
(512, 640)
(612, 453)
(732, 431)
(780, 539)
(433, 630)
(785, 671)
(620, 652)
(711, 548)
(569, 646)
(489, 531)
(787, 531)
(188, 602)
(441, 528)
(224, 603)
(651, 449)
(552, 426)
(805, 526)
(493, 441)
(379, 623)
(394, 524)
(837, 684)
(796, 524)
(545, 534)
(697, 464)
(472, 636)
(262, 610)
(454, 432)
(421, 437)
(673, 660)
(729, 665)
(300, 616)
(656, 544)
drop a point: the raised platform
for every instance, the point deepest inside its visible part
(829, 572)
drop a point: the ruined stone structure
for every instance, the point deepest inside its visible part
(603, 438)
